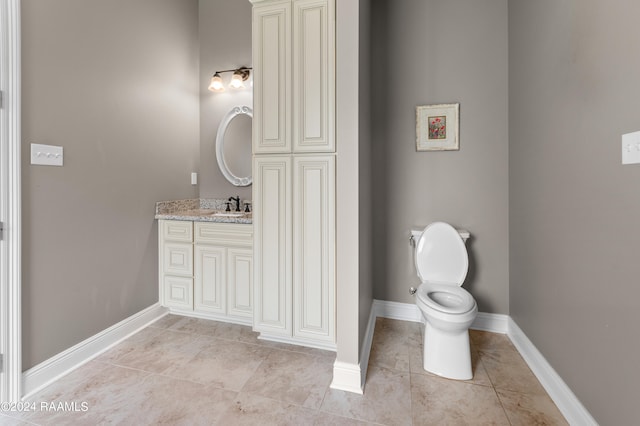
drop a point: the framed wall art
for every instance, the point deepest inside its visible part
(437, 127)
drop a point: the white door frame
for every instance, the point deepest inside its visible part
(10, 204)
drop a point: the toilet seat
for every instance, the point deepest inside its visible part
(445, 297)
(441, 256)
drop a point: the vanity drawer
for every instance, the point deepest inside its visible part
(177, 230)
(178, 259)
(227, 234)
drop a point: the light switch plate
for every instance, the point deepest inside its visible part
(46, 155)
(631, 148)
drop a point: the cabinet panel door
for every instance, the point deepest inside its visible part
(240, 282)
(314, 247)
(272, 244)
(178, 292)
(272, 78)
(178, 259)
(210, 279)
(313, 76)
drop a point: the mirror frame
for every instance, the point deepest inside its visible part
(222, 130)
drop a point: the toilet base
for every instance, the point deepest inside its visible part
(447, 354)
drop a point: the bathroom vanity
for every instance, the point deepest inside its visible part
(205, 260)
(277, 271)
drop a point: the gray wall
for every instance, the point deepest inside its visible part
(365, 190)
(225, 43)
(574, 90)
(431, 52)
(115, 83)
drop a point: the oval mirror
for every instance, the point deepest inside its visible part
(233, 146)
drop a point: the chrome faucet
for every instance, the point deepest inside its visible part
(237, 200)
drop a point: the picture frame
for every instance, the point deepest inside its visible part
(437, 127)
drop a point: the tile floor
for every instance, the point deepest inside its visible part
(187, 371)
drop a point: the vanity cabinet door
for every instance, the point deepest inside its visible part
(313, 76)
(272, 216)
(178, 292)
(240, 282)
(272, 78)
(210, 279)
(314, 247)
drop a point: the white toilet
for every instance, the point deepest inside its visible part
(442, 263)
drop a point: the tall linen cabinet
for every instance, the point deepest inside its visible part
(294, 169)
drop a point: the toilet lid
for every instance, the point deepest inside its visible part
(441, 256)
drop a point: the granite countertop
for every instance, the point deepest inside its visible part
(200, 210)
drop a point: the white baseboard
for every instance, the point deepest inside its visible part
(495, 323)
(367, 342)
(397, 311)
(57, 366)
(347, 377)
(351, 377)
(298, 341)
(566, 401)
(212, 317)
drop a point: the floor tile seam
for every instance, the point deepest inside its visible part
(395, 370)
(491, 380)
(380, 365)
(532, 394)
(489, 351)
(451, 381)
(149, 373)
(514, 364)
(324, 397)
(504, 409)
(481, 365)
(205, 385)
(222, 339)
(258, 366)
(173, 330)
(342, 416)
(411, 396)
(169, 376)
(243, 389)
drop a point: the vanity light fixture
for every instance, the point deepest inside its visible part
(240, 75)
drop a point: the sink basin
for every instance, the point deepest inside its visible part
(227, 214)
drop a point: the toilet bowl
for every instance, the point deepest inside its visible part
(449, 310)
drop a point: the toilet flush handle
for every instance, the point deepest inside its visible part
(412, 291)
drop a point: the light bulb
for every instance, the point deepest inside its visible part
(237, 80)
(216, 83)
